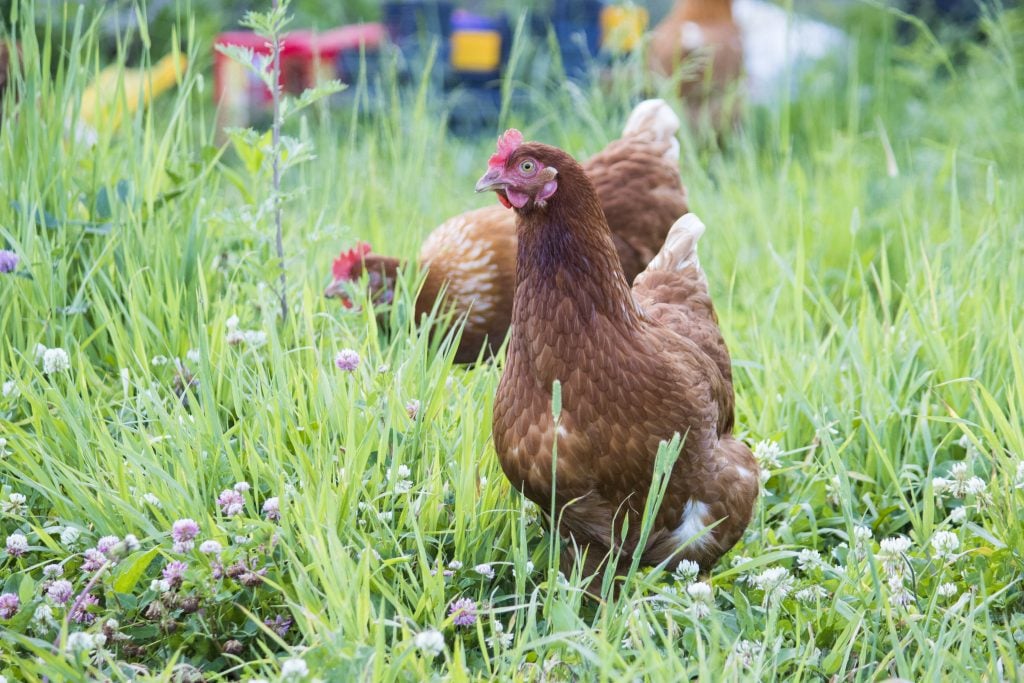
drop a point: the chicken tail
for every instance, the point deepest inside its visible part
(657, 120)
(680, 249)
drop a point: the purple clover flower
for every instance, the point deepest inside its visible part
(174, 572)
(8, 261)
(347, 360)
(9, 605)
(463, 612)
(184, 530)
(279, 625)
(106, 544)
(231, 502)
(94, 559)
(79, 612)
(60, 591)
(272, 508)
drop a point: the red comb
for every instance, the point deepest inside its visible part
(344, 263)
(507, 144)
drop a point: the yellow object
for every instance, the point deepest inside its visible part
(476, 50)
(622, 27)
(104, 103)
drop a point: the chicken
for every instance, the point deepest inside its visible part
(636, 366)
(700, 38)
(471, 257)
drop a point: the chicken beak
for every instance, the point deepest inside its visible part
(491, 180)
(335, 289)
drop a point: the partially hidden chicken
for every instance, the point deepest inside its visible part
(636, 366)
(700, 43)
(472, 257)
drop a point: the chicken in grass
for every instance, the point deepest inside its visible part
(471, 257)
(700, 43)
(636, 365)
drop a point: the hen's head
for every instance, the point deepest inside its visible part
(523, 175)
(351, 265)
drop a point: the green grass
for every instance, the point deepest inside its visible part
(871, 308)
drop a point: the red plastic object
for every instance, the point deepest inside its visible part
(308, 57)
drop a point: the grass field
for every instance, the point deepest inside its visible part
(864, 249)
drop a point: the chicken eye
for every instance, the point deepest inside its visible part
(527, 166)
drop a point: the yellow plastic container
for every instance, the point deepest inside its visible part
(622, 27)
(476, 50)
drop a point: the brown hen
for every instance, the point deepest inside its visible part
(472, 256)
(636, 366)
(700, 42)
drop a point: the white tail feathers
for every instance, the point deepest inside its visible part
(680, 249)
(657, 119)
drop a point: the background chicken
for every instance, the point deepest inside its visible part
(636, 366)
(699, 42)
(472, 256)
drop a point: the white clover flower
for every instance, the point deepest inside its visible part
(501, 639)
(834, 490)
(702, 598)
(947, 590)
(811, 595)
(131, 543)
(40, 351)
(159, 585)
(242, 487)
(151, 499)
(193, 355)
(485, 570)
(232, 323)
(686, 571)
(15, 503)
(767, 454)
(960, 484)
(17, 545)
(256, 339)
(899, 596)
(862, 534)
(455, 565)
(10, 389)
(891, 554)
(958, 515)
(776, 582)
(945, 543)
(210, 547)
(808, 559)
(430, 642)
(895, 545)
(69, 536)
(42, 618)
(56, 360)
(157, 361)
(745, 653)
(80, 641)
(294, 668)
